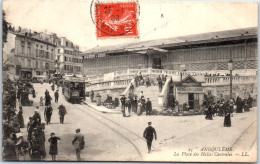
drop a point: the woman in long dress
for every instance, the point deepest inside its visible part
(227, 119)
(20, 117)
(53, 146)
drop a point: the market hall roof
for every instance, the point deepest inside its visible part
(162, 44)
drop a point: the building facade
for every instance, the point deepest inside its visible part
(68, 58)
(209, 51)
(34, 54)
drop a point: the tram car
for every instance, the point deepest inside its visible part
(73, 89)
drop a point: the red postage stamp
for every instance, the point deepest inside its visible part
(116, 19)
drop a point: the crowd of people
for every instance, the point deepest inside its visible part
(224, 108)
(17, 146)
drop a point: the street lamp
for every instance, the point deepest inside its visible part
(230, 68)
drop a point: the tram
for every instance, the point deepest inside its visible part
(73, 89)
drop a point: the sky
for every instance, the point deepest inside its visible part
(157, 19)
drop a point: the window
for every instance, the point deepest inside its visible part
(58, 58)
(47, 55)
(51, 56)
(36, 45)
(65, 58)
(52, 50)
(29, 63)
(22, 49)
(47, 65)
(29, 51)
(58, 51)
(36, 64)
(59, 43)
(41, 46)
(67, 44)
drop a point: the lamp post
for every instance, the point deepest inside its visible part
(230, 68)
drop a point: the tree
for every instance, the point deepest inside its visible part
(5, 28)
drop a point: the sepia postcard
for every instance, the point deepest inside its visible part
(129, 80)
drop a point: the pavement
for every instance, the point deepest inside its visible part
(102, 109)
(175, 134)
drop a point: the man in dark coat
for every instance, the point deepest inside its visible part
(250, 101)
(41, 140)
(62, 112)
(56, 95)
(46, 92)
(123, 99)
(148, 106)
(47, 100)
(91, 95)
(149, 133)
(47, 114)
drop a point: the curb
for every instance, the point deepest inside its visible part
(102, 111)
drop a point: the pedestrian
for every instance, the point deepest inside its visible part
(41, 101)
(149, 134)
(160, 84)
(29, 129)
(79, 143)
(20, 117)
(36, 117)
(53, 146)
(56, 95)
(47, 114)
(148, 107)
(46, 92)
(136, 80)
(128, 105)
(41, 140)
(239, 104)
(62, 113)
(98, 99)
(134, 104)
(227, 119)
(9, 145)
(132, 88)
(250, 101)
(123, 104)
(53, 87)
(92, 95)
(209, 113)
(147, 81)
(47, 99)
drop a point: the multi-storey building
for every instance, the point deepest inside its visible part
(34, 54)
(68, 58)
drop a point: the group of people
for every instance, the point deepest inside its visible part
(225, 108)
(24, 88)
(133, 104)
(161, 81)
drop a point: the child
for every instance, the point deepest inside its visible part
(53, 146)
(41, 101)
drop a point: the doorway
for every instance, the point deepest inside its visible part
(191, 100)
(157, 63)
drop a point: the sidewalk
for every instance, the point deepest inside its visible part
(101, 108)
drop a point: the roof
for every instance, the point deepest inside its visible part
(206, 37)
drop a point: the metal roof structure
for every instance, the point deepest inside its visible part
(162, 44)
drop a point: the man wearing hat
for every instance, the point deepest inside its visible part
(78, 143)
(148, 106)
(123, 103)
(47, 114)
(56, 95)
(149, 132)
